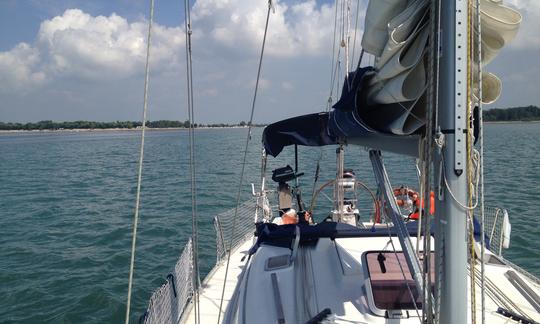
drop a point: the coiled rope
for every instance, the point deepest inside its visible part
(141, 158)
(246, 146)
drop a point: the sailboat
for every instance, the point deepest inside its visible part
(432, 255)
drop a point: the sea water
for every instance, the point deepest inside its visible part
(67, 202)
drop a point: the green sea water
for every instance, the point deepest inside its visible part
(67, 202)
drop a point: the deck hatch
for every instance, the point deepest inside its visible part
(277, 262)
(387, 286)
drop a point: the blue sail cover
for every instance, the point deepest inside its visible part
(307, 130)
(321, 128)
(345, 123)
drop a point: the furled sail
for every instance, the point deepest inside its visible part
(395, 94)
(386, 104)
(377, 16)
(499, 25)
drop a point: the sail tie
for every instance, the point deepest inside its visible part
(141, 158)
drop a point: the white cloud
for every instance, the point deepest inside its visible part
(77, 44)
(99, 61)
(87, 46)
(17, 68)
(238, 26)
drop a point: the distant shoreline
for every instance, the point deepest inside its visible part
(512, 122)
(84, 130)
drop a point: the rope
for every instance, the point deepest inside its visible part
(141, 158)
(474, 158)
(191, 118)
(481, 138)
(470, 162)
(248, 137)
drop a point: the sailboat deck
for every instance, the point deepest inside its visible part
(212, 287)
(339, 283)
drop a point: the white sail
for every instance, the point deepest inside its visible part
(400, 72)
(401, 29)
(404, 59)
(491, 46)
(379, 13)
(491, 88)
(500, 25)
(413, 120)
(499, 20)
(406, 86)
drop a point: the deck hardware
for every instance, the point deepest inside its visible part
(381, 258)
(320, 317)
(523, 289)
(277, 299)
(170, 277)
(514, 316)
(277, 262)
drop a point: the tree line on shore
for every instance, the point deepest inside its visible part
(529, 113)
(83, 124)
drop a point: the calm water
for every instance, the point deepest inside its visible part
(67, 200)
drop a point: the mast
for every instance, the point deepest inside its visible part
(451, 238)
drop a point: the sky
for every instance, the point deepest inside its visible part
(84, 60)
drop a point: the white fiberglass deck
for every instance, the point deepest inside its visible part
(340, 285)
(212, 286)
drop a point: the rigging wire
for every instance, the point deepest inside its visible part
(335, 76)
(191, 118)
(248, 137)
(421, 182)
(355, 32)
(316, 177)
(403, 271)
(347, 40)
(428, 146)
(141, 159)
(435, 9)
(481, 163)
(332, 68)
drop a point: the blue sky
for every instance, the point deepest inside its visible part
(74, 59)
